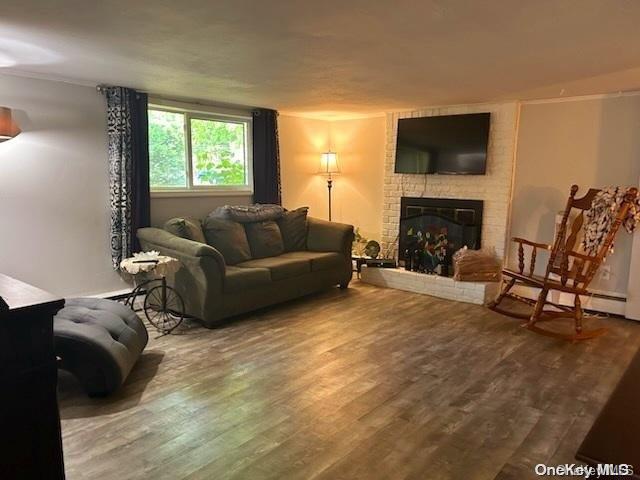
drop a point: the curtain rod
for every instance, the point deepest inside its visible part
(103, 86)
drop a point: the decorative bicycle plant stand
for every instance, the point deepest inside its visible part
(163, 306)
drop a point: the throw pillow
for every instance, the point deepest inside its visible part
(249, 213)
(264, 238)
(229, 238)
(293, 226)
(189, 228)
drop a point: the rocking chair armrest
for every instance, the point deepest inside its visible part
(534, 253)
(581, 256)
(544, 246)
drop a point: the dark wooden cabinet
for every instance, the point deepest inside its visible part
(30, 437)
(612, 438)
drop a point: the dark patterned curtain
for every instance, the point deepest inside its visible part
(266, 157)
(127, 132)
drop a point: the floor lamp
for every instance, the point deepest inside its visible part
(328, 167)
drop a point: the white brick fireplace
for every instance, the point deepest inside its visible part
(494, 188)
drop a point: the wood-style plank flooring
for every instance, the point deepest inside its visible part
(367, 383)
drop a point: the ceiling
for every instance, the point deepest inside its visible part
(330, 57)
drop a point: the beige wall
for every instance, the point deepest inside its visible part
(357, 191)
(589, 142)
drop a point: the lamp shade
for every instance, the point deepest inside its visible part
(329, 163)
(8, 127)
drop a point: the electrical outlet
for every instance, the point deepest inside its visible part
(605, 272)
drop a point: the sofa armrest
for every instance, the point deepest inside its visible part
(156, 238)
(200, 282)
(326, 236)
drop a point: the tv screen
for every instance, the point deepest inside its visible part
(446, 145)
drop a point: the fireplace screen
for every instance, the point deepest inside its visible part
(433, 229)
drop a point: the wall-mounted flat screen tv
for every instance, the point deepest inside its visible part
(445, 145)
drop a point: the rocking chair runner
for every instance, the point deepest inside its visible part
(568, 270)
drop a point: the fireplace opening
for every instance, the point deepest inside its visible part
(433, 229)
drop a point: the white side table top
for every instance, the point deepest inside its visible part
(145, 262)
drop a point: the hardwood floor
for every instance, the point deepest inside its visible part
(363, 383)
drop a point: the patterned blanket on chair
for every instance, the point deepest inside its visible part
(601, 215)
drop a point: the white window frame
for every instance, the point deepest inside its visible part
(205, 112)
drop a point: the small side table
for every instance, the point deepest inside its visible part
(359, 261)
(163, 306)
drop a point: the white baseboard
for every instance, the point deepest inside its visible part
(611, 304)
(114, 293)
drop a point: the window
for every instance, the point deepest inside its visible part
(198, 152)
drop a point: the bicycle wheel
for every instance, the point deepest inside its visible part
(165, 311)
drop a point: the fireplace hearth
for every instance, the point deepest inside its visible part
(433, 229)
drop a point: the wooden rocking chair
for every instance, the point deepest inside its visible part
(569, 270)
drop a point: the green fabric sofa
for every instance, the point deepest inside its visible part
(213, 290)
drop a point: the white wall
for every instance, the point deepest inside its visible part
(54, 198)
(54, 190)
(592, 142)
(633, 288)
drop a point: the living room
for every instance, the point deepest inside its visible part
(332, 330)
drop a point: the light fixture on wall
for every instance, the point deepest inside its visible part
(8, 127)
(328, 167)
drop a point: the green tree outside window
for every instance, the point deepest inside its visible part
(167, 162)
(218, 151)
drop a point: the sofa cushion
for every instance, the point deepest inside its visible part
(293, 226)
(265, 239)
(229, 238)
(185, 227)
(281, 267)
(319, 260)
(238, 279)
